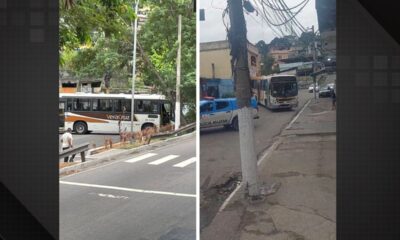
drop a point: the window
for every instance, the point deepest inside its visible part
(69, 104)
(81, 104)
(104, 105)
(146, 106)
(207, 107)
(120, 104)
(221, 105)
(253, 61)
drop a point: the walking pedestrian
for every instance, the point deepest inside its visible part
(333, 95)
(66, 141)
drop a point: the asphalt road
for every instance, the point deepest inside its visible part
(150, 195)
(219, 148)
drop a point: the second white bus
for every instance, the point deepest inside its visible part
(276, 91)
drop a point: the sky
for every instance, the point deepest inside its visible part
(212, 29)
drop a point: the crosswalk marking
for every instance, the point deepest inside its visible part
(164, 159)
(186, 162)
(142, 157)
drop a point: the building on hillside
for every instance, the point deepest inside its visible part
(69, 84)
(326, 12)
(215, 68)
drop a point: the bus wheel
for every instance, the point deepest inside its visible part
(147, 125)
(80, 127)
(235, 124)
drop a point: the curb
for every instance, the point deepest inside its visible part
(94, 162)
(266, 154)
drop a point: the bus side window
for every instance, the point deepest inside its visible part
(95, 105)
(105, 105)
(154, 107)
(118, 105)
(69, 104)
(84, 104)
(127, 104)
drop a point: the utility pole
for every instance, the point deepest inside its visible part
(240, 67)
(178, 77)
(134, 25)
(314, 64)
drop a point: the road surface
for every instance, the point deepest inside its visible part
(150, 195)
(220, 155)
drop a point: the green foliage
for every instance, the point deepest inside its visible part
(159, 40)
(266, 59)
(96, 37)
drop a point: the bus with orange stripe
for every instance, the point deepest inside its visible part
(111, 113)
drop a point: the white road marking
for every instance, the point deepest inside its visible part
(163, 160)
(110, 196)
(186, 162)
(128, 189)
(140, 158)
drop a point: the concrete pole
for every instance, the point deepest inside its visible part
(134, 66)
(314, 64)
(243, 94)
(178, 77)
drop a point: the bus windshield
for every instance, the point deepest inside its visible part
(284, 89)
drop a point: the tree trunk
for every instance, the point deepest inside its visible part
(238, 41)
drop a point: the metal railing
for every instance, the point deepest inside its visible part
(82, 148)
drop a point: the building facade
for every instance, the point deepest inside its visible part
(216, 78)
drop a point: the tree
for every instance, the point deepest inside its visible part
(266, 59)
(158, 38)
(95, 38)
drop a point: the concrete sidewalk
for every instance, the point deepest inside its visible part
(304, 207)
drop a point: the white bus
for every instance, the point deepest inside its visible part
(276, 91)
(111, 113)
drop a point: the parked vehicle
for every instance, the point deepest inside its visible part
(311, 88)
(222, 112)
(325, 91)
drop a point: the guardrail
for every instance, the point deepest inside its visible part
(82, 148)
(190, 126)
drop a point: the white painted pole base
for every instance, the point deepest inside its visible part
(247, 153)
(177, 115)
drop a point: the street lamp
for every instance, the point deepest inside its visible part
(134, 65)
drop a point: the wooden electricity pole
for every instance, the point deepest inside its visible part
(240, 67)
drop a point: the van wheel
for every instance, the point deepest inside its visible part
(235, 124)
(80, 127)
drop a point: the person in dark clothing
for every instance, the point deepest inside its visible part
(333, 95)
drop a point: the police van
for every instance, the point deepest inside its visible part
(222, 112)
